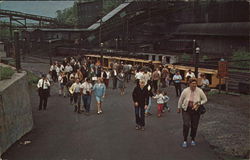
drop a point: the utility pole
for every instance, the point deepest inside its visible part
(17, 51)
(116, 43)
(127, 33)
(194, 46)
(197, 52)
(50, 58)
(101, 45)
(100, 41)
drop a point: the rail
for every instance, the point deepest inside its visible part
(26, 15)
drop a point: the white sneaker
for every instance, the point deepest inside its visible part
(193, 143)
(184, 144)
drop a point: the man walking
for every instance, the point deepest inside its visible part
(86, 88)
(177, 83)
(43, 91)
(140, 98)
(114, 77)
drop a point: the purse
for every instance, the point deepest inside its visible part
(201, 110)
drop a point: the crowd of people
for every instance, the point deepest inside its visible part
(81, 78)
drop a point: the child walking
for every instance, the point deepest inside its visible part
(166, 99)
(160, 102)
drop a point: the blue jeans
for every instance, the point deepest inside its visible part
(149, 105)
(140, 115)
(86, 101)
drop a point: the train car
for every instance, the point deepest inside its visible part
(164, 58)
(211, 74)
(109, 60)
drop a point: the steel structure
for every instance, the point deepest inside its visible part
(21, 20)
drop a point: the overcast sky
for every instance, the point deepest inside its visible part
(43, 8)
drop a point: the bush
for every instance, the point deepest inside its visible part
(186, 57)
(241, 59)
(32, 79)
(204, 58)
(6, 73)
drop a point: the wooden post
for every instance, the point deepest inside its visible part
(219, 85)
(226, 81)
(222, 71)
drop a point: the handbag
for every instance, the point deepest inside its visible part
(201, 109)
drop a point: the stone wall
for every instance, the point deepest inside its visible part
(15, 110)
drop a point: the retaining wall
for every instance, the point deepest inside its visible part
(15, 110)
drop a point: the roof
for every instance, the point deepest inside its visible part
(215, 29)
(109, 15)
(62, 29)
(92, 27)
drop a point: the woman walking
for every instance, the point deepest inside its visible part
(99, 89)
(121, 81)
(190, 100)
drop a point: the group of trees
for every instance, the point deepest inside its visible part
(69, 16)
(239, 59)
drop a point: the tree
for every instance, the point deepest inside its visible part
(241, 58)
(68, 16)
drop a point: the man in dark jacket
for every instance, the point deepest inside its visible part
(140, 98)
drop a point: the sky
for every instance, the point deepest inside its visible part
(42, 8)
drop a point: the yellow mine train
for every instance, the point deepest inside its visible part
(211, 74)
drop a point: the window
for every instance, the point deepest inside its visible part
(160, 58)
(153, 57)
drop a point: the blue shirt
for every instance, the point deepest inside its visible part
(99, 89)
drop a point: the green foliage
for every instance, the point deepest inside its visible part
(185, 57)
(110, 5)
(204, 58)
(213, 92)
(6, 73)
(5, 33)
(68, 16)
(241, 59)
(32, 79)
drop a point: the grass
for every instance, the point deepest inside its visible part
(32, 79)
(6, 73)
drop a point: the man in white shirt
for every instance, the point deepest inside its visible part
(54, 69)
(177, 83)
(75, 89)
(43, 91)
(86, 89)
(61, 68)
(138, 76)
(189, 75)
(68, 69)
